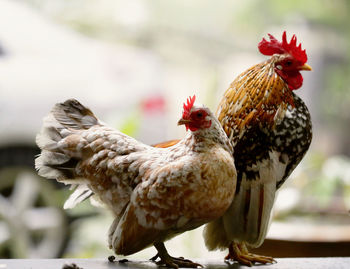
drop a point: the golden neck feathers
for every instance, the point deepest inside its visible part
(257, 96)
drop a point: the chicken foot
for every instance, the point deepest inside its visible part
(169, 261)
(241, 254)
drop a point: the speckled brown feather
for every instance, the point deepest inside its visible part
(257, 96)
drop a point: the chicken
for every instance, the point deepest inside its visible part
(153, 193)
(270, 128)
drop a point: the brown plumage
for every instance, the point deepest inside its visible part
(154, 194)
(256, 96)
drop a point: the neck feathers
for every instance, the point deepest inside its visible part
(257, 96)
(203, 139)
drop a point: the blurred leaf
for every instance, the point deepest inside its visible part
(131, 125)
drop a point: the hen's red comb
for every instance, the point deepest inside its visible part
(187, 106)
(274, 46)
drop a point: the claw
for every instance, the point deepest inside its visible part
(241, 254)
(172, 262)
(154, 258)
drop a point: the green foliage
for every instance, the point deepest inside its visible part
(336, 99)
(333, 13)
(131, 124)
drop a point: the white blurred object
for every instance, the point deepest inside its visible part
(287, 198)
(337, 168)
(44, 63)
(22, 220)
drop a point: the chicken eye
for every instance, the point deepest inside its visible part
(199, 115)
(289, 63)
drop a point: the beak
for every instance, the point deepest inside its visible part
(183, 121)
(305, 67)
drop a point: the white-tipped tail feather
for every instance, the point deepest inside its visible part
(81, 193)
(56, 161)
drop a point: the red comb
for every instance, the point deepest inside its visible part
(274, 46)
(188, 106)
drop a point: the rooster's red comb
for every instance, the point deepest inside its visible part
(188, 106)
(274, 46)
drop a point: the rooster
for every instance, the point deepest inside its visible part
(270, 128)
(153, 193)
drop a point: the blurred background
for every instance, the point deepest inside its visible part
(134, 63)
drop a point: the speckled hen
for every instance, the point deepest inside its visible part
(153, 193)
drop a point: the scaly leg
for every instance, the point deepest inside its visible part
(241, 254)
(172, 262)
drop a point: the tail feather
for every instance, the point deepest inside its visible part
(81, 193)
(72, 114)
(248, 217)
(55, 161)
(215, 236)
(50, 133)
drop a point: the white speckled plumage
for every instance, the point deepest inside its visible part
(154, 193)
